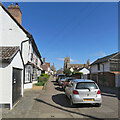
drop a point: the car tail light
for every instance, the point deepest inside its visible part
(75, 92)
(99, 92)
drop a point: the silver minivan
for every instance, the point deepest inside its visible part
(83, 91)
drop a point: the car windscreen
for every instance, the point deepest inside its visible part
(61, 76)
(86, 85)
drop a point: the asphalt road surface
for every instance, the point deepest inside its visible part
(52, 103)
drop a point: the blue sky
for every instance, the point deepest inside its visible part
(79, 30)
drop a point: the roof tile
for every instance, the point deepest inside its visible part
(6, 53)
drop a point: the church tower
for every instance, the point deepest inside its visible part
(67, 63)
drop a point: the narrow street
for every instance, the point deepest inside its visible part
(52, 103)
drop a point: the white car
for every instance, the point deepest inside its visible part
(83, 91)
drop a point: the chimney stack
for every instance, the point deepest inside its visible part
(43, 60)
(15, 12)
(84, 65)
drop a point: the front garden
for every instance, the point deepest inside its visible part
(42, 80)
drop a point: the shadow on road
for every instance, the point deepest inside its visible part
(70, 111)
(53, 81)
(65, 102)
(59, 89)
(110, 92)
(61, 99)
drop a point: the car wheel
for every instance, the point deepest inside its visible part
(66, 96)
(71, 103)
(98, 104)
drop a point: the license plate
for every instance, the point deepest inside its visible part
(88, 99)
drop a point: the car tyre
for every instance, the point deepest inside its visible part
(71, 103)
(98, 104)
(66, 96)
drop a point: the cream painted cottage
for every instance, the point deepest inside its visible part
(13, 34)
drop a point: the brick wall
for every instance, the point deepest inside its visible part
(88, 76)
(106, 79)
(94, 77)
(77, 76)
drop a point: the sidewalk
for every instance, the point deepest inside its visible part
(22, 108)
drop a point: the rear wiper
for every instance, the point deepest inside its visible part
(87, 88)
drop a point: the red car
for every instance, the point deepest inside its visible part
(66, 82)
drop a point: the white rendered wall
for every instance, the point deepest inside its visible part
(106, 67)
(6, 81)
(0, 26)
(12, 35)
(85, 71)
(94, 69)
(27, 85)
(5, 84)
(11, 32)
(34, 57)
(39, 63)
(30, 52)
(71, 69)
(25, 52)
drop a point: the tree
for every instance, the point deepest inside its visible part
(67, 72)
(60, 71)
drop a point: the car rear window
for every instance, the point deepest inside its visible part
(86, 85)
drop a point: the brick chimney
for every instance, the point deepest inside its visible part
(15, 12)
(84, 65)
(43, 60)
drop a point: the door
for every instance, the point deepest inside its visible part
(69, 89)
(16, 89)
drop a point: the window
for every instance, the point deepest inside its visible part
(86, 85)
(36, 61)
(28, 73)
(98, 66)
(31, 56)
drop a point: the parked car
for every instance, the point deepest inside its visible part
(66, 82)
(83, 91)
(60, 81)
(60, 76)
